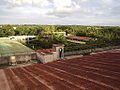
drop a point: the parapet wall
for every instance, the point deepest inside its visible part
(47, 58)
(80, 52)
(19, 58)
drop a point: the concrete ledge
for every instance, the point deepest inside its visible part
(91, 51)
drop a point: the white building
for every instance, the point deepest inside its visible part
(23, 39)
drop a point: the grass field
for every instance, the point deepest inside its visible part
(8, 47)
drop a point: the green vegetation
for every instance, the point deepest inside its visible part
(106, 35)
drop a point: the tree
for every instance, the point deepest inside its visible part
(8, 30)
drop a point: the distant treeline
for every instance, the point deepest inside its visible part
(92, 31)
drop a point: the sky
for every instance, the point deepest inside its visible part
(60, 12)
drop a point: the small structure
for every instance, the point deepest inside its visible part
(50, 55)
(23, 39)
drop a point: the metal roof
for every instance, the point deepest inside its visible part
(79, 38)
(57, 45)
(10, 47)
(93, 72)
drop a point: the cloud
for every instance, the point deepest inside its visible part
(64, 10)
(75, 10)
(21, 2)
(62, 3)
(59, 8)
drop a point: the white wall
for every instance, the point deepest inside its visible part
(45, 58)
(57, 52)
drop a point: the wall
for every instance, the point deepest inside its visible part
(90, 50)
(18, 58)
(47, 57)
(40, 57)
(57, 51)
(55, 56)
(4, 60)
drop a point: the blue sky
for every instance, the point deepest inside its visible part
(80, 12)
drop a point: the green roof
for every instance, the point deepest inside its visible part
(11, 47)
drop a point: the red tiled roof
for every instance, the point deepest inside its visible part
(57, 45)
(95, 72)
(79, 38)
(46, 51)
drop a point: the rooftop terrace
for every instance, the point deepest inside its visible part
(94, 72)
